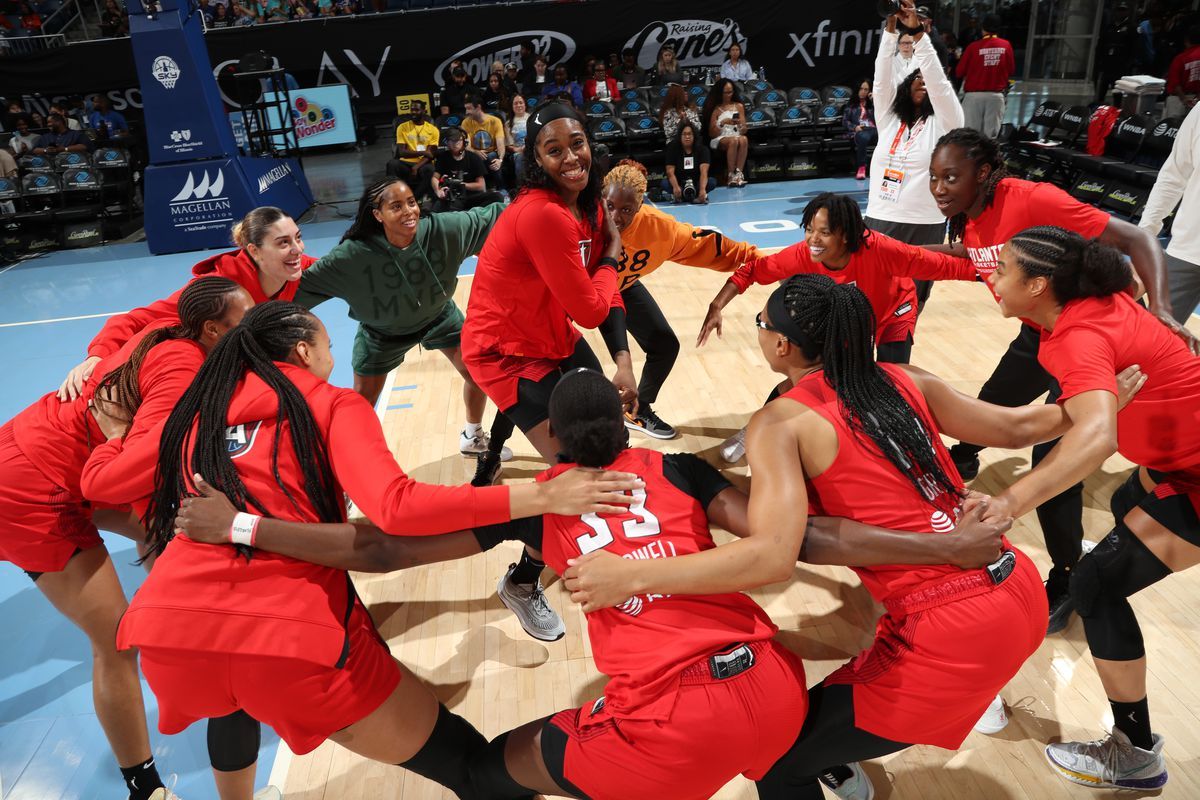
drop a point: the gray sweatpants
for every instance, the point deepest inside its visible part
(1183, 281)
(983, 111)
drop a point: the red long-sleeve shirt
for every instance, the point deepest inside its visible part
(235, 265)
(538, 272)
(882, 267)
(986, 65)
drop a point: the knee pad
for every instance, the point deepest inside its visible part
(444, 758)
(1127, 496)
(233, 742)
(490, 776)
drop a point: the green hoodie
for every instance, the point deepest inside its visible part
(396, 291)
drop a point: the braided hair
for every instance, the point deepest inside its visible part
(203, 300)
(586, 416)
(1077, 267)
(844, 217)
(903, 106)
(534, 177)
(980, 150)
(268, 333)
(628, 174)
(840, 323)
(365, 224)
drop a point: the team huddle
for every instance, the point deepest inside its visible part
(204, 428)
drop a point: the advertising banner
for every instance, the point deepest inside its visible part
(321, 116)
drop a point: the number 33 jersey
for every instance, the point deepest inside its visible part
(644, 644)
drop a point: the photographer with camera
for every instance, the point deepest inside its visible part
(687, 163)
(459, 176)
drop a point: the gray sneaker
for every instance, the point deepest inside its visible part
(1110, 762)
(857, 787)
(528, 602)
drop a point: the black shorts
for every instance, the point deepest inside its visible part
(533, 397)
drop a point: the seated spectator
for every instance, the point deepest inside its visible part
(667, 69)
(562, 84)
(735, 67)
(601, 86)
(494, 95)
(220, 17)
(107, 124)
(485, 137)
(22, 141)
(459, 180)
(207, 11)
(60, 108)
(416, 146)
(525, 61)
(514, 135)
(1183, 76)
(678, 107)
(298, 9)
(245, 15)
(61, 139)
(858, 119)
(630, 75)
(613, 63)
(8, 164)
(536, 79)
(455, 92)
(31, 21)
(14, 113)
(512, 82)
(37, 121)
(687, 164)
(346, 8)
(273, 11)
(115, 19)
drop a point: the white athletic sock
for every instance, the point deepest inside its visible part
(472, 429)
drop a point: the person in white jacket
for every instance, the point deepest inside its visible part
(911, 117)
(1179, 183)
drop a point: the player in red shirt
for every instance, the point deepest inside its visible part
(49, 530)
(1183, 76)
(859, 440)
(227, 629)
(267, 264)
(986, 208)
(1073, 289)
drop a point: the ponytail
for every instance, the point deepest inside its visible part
(1077, 267)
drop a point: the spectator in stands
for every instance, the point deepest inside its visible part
(985, 67)
(561, 85)
(687, 164)
(275, 11)
(1183, 76)
(245, 14)
(206, 11)
(677, 108)
(725, 121)
(455, 92)
(858, 119)
(514, 135)
(1179, 183)
(630, 76)
(600, 86)
(485, 137)
(525, 61)
(221, 16)
(459, 179)
(613, 63)
(666, 68)
(512, 83)
(1114, 53)
(14, 113)
(495, 97)
(538, 76)
(31, 21)
(107, 124)
(37, 120)
(115, 19)
(61, 139)
(22, 142)
(735, 67)
(8, 164)
(297, 9)
(60, 108)
(416, 145)
(903, 59)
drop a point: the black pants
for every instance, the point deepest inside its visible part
(828, 739)
(912, 233)
(895, 352)
(1018, 380)
(468, 201)
(417, 175)
(645, 322)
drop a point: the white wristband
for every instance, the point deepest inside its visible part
(243, 529)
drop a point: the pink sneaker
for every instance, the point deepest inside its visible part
(862, 174)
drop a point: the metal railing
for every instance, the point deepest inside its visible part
(28, 45)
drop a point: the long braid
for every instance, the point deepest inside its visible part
(839, 320)
(267, 334)
(365, 224)
(203, 300)
(980, 150)
(1077, 267)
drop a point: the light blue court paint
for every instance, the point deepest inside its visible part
(399, 406)
(404, 388)
(51, 746)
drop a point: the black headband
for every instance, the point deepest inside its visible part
(544, 116)
(782, 322)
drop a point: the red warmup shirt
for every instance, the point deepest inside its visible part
(235, 265)
(1018, 205)
(882, 267)
(58, 437)
(864, 486)
(644, 644)
(1097, 337)
(1184, 72)
(538, 272)
(207, 597)
(986, 65)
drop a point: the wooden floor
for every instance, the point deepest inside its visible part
(446, 623)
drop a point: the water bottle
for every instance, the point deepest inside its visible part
(437, 100)
(762, 73)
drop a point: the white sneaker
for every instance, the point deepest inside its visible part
(1110, 762)
(995, 719)
(734, 448)
(166, 792)
(857, 787)
(528, 602)
(474, 445)
(268, 793)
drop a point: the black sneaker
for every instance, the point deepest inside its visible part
(1058, 595)
(967, 463)
(649, 423)
(487, 469)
